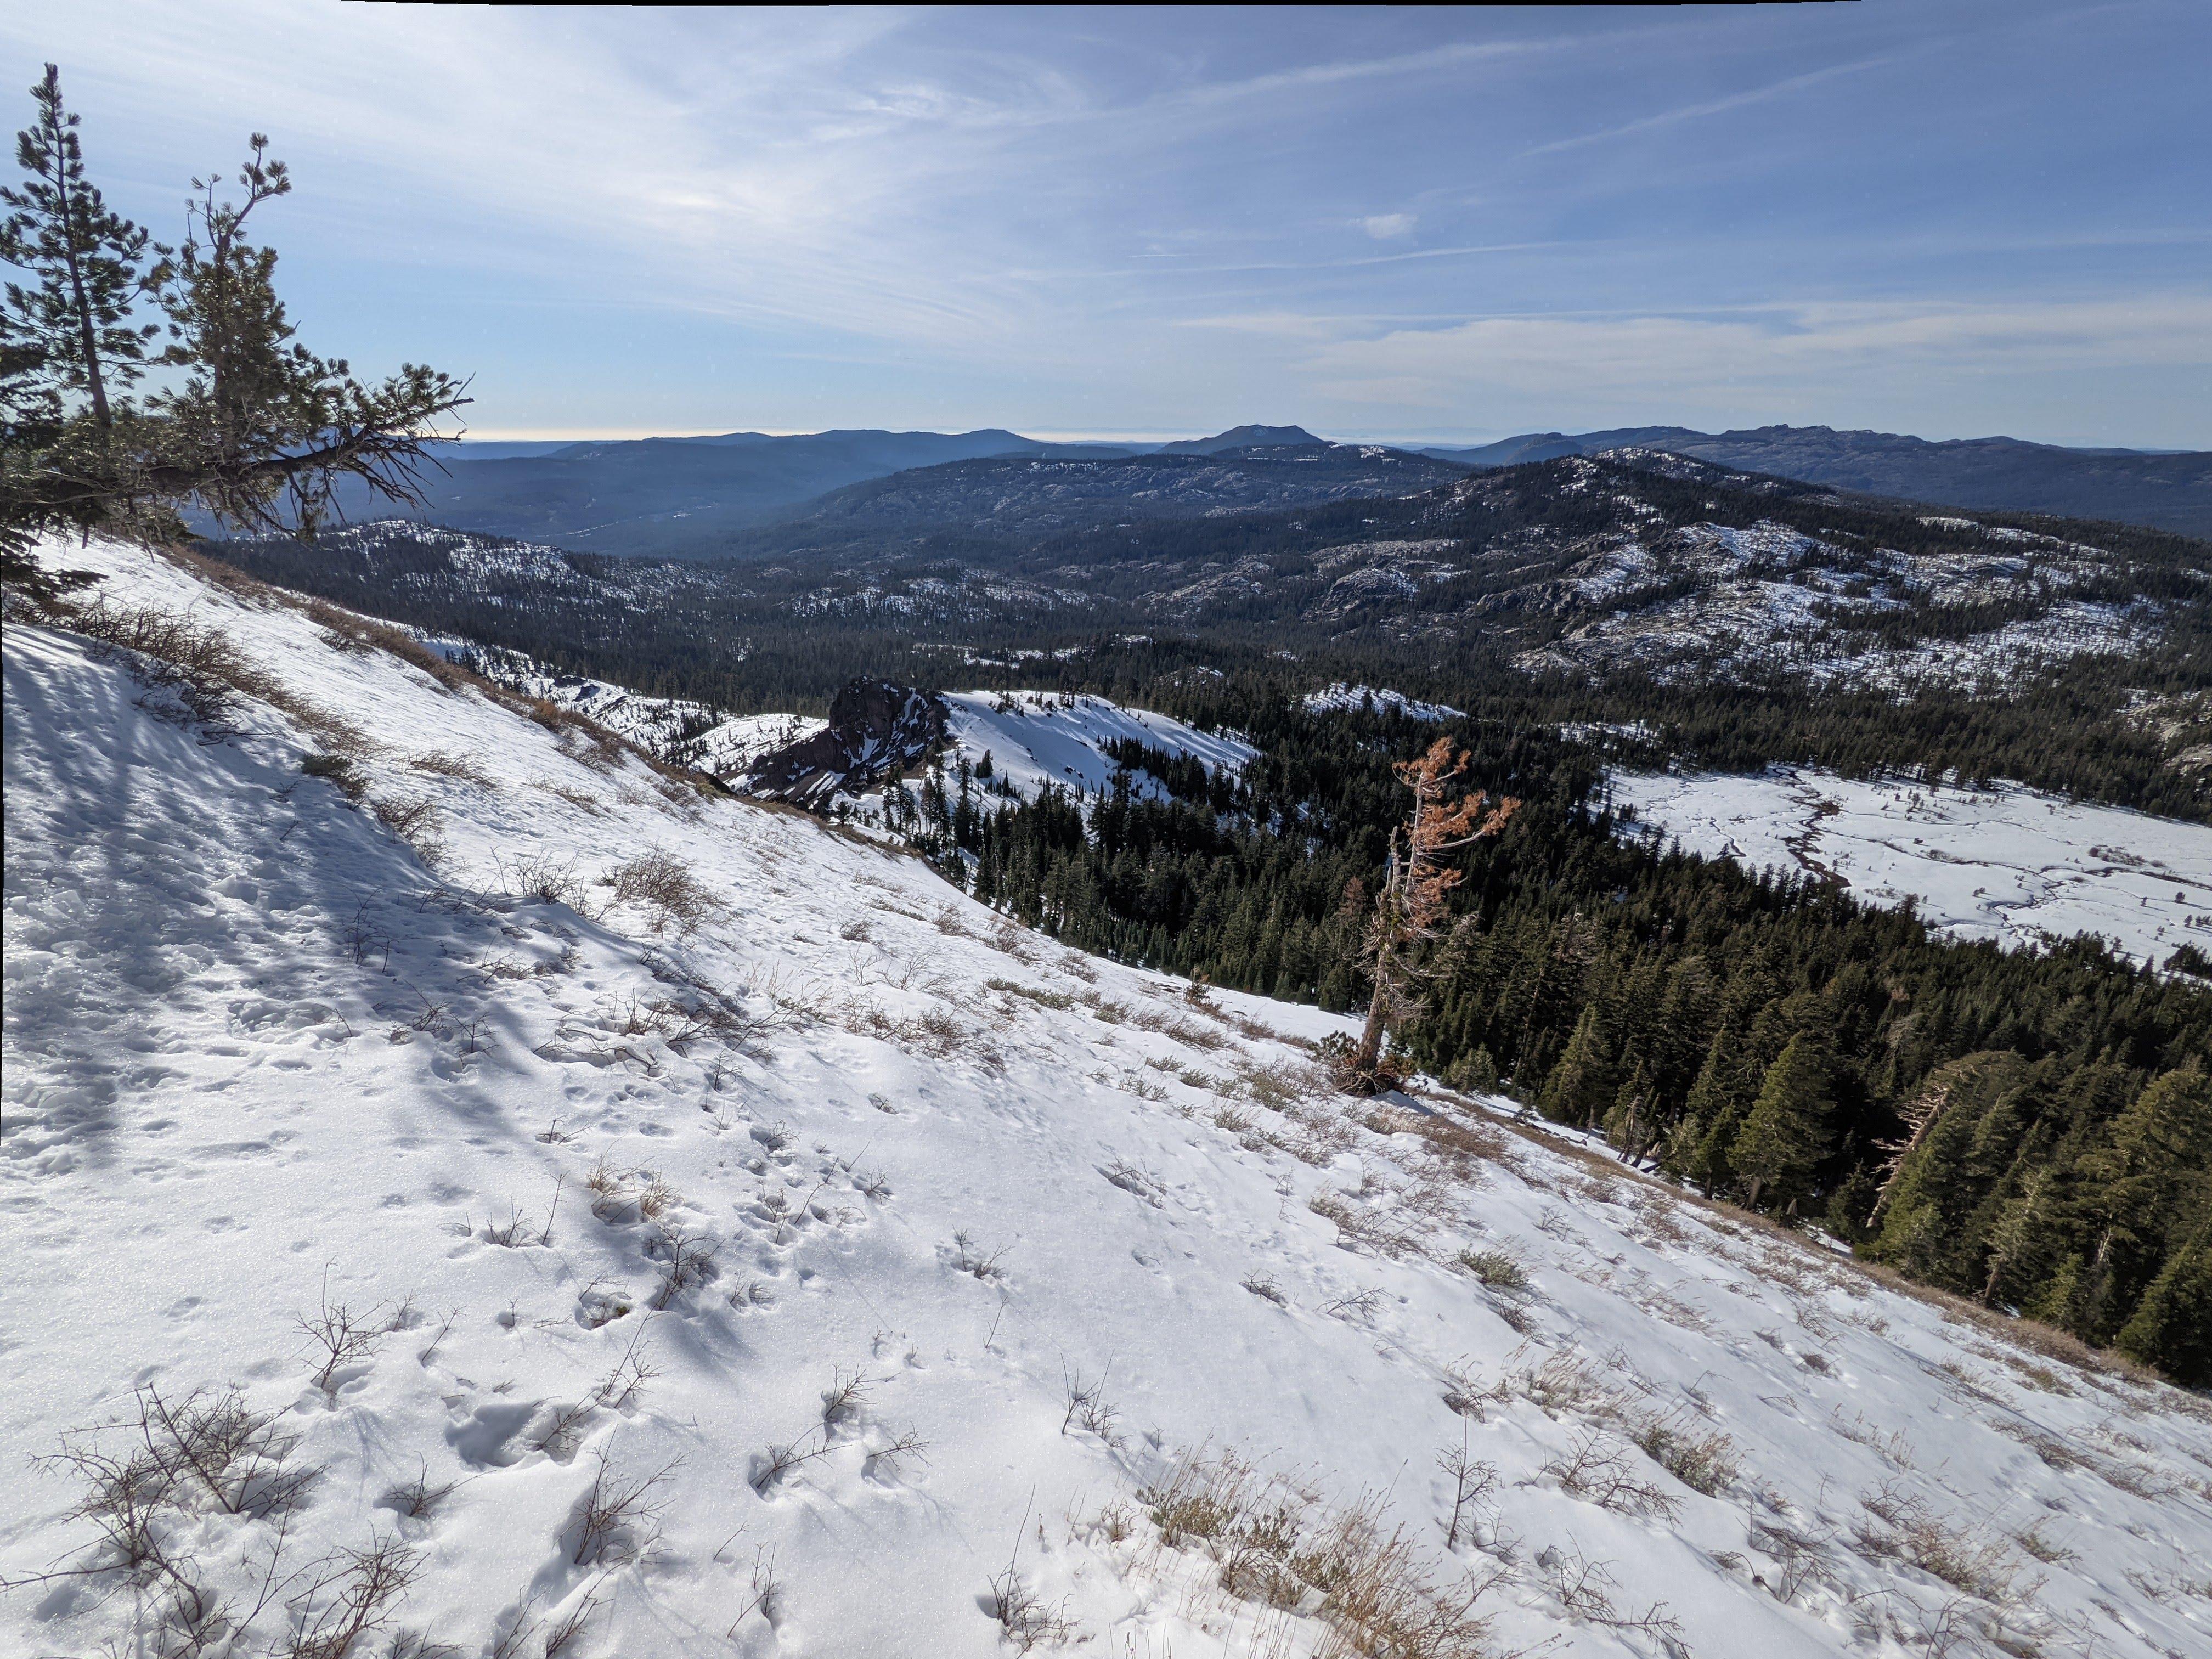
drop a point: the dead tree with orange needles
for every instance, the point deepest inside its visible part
(1412, 898)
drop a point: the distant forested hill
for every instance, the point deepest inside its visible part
(2168, 492)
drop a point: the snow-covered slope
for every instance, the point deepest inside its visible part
(674, 729)
(1358, 698)
(1037, 738)
(2007, 863)
(894, 1258)
(1694, 600)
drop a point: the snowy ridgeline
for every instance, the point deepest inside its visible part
(760, 1249)
(2006, 863)
(1362, 699)
(1039, 737)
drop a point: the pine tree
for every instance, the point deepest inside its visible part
(75, 324)
(256, 430)
(1785, 1135)
(1698, 1149)
(2172, 1327)
(1581, 1086)
(263, 429)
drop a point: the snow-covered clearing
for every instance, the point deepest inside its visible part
(1037, 738)
(888, 1255)
(2007, 863)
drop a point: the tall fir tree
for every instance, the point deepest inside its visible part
(87, 263)
(1583, 1086)
(1785, 1134)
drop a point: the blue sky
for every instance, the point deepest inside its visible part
(1947, 219)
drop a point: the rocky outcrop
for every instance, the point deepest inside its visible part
(877, 731)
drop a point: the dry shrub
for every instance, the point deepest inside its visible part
(618, 1518)
(541, 878)
(445, 764)
(338, 1337)
(1497, 1270)
(208, 669)
(339, 771)
(1908, 1528)
(1134, 1180)
(1563, 1383)
(416, 823)
(1597, 1469)
(664, 884)
(203, 664)
(348, 1597)
(1704, 1462)
(1279, 1085)
(1036, 993)
(1024, 1618)
(1584, 1589)
(1272, 1544)
(354, 634)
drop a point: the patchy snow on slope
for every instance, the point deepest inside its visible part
(1706, 599)
(1037, 738)
(2008, 864)
(1363, 698)
(835, 1268)
(677, 730)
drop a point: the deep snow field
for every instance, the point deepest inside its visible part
(2008, 863)
(1009, 1251)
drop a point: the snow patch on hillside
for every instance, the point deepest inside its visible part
(893, 1257)
(677, 730)
(1707, 598)
(1363, 698)
(1040, 738)
(2008, 863)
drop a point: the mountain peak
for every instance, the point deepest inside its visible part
(1241, 437)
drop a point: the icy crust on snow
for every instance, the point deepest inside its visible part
(259, 1061)
(2008, 864)
(1040, 738)
(1358, 699)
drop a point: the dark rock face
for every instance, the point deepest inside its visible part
(877, 731)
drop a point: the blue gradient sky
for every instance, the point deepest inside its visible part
(1946, 219)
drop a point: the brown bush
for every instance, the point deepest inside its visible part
(664, 884)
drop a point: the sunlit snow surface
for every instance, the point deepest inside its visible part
(1037, 738)
(259, 1058)
(2007, 863)
(1361, 698)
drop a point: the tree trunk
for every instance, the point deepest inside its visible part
(1370, 1054)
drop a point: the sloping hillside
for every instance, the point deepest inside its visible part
(510, 1201)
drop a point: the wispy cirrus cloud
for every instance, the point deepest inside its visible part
(1103, 221)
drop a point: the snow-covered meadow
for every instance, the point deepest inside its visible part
(2006, 863)
(795, 1257)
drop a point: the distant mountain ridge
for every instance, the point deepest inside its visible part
(1000, 496)
(680, 495)
(704, 497)
(2165, 492)
(698, 496)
